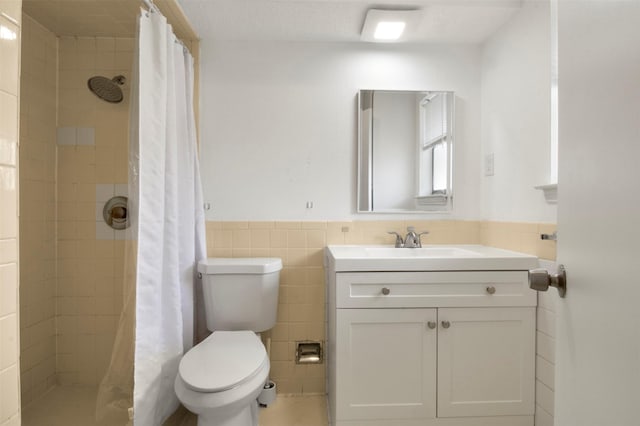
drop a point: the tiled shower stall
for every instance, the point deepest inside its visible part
(73, 152)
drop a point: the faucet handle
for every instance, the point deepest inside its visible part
(419, 240)
(399, 241)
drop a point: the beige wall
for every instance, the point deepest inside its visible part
(301, 309)
(37, 209)
(90, 260)
(10, 12)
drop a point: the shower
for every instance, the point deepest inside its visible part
(107, 89)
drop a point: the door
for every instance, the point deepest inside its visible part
(486, 361)
(598, 323)
(385, 364)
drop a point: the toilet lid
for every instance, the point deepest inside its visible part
(222, 361)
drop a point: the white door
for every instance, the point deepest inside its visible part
(486, 361)
(385, 364)
(598, 323)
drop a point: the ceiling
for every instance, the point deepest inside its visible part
(443, 21)
(101, 18)
(114, 18)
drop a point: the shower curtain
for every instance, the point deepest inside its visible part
(167, 222)
(171, 218)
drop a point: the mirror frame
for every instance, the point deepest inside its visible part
(364, 200)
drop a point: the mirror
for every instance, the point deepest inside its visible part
(405, 146)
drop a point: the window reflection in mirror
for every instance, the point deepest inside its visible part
(405, 151)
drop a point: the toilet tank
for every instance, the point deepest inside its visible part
(240, 293)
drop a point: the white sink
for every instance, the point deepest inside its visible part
(428, 258)
(428, 252)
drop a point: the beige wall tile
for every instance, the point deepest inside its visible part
(80, 301)
(262, 225)
(296, 239)
(301, 309)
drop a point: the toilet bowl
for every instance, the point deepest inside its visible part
(220, 378)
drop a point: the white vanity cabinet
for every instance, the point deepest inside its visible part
(430, 347)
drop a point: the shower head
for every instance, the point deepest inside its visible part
(107, 89)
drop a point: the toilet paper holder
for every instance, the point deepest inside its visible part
(308, 352)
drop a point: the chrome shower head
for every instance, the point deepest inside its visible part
(107, 89)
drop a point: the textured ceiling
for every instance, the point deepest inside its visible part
(443, 21)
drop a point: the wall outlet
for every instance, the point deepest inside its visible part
(489, 165)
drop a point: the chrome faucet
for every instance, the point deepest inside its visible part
(412, 240)
(399, 240)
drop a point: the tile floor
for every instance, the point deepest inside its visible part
(75, 405)
(64, 406)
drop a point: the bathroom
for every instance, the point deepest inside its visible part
(302, 121)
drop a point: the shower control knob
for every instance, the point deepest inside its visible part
(385, 291)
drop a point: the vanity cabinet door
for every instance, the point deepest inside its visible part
(486, 361)
(386, 364)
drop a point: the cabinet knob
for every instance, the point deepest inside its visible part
(446, 324)
(491, 289)
(431, 324)
(385, 291)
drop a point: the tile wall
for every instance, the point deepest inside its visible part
(546, 353)
(37, 209)
(10, 22)
(301, 310)
(92, 155)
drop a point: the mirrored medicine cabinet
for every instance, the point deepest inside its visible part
(405, 151)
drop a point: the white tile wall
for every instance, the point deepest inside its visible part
(545, 352)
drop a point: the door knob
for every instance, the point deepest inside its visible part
(540, 280)
(385, 291)
(431, 325)
(491, 290)
(446, 324)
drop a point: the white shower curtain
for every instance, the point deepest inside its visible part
(169, 208)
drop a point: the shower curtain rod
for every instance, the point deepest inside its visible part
(154, 9)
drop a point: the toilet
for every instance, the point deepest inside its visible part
(220, 378)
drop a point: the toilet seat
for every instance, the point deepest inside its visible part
(222, 361)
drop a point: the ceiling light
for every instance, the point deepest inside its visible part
(389, 30)
(390, 25)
